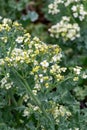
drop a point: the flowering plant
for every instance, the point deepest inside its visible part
(71, 21)
(33, 83)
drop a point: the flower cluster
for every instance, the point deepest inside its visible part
(30, 109)
(45, 67)
(42, 59)
(79, 12)
(58, 111)
(77, 71)
(65, 29)
(68, 2)
(21, 52)
(53, 7)
(5, 83)
(76, 7)
(69, 28)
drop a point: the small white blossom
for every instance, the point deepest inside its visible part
(84, 76)
(74, 8)
(44, 63)
(19, 39)
(26, 112)
(6, 20)
(77, 70)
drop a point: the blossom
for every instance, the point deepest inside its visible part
(74, 8)
(44, 63)
(6, 21)
(26, 112)
(75, 79)
(19, 39)
(65, 29)
(79, 12)
(84, 76)
(5, 83)
(77, 70)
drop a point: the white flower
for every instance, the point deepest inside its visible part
(34, 92)
(65, 18)
(26, 112)
(63, 69)
(76, 128)
(40, 75)
(26, 97)
(50, 6)
(3, 81)
(53, 8)
(36, 108)
(77, 70)
(19, 39)
(81, 18)
(41, 80)
(8, 85)
(1, 61)
(74, 8)
(84, 76)
(75, 15)
(0, 17)
(37, 86)
(57, 57)
(6, 20)
(44, 63)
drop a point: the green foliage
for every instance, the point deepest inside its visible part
(12, 8)
(41, 86)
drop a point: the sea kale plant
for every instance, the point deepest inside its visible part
(36, 91)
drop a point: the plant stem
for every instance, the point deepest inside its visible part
(35, 99)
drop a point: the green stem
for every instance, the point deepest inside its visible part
(11, 49)
(13, 99)
(68, 10)
(35, 99)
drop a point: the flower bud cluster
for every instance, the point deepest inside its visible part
(79, 12)
(65, 29)
(5, 82)
(59, 111)
(75, 12)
